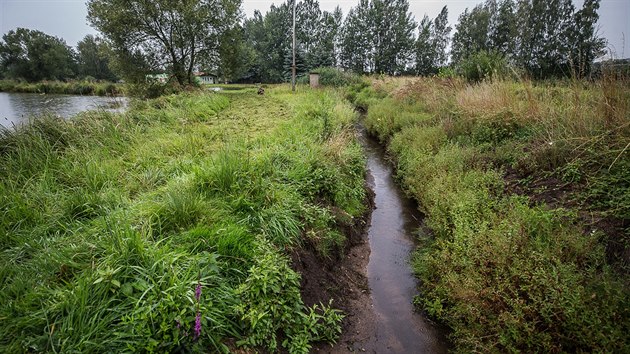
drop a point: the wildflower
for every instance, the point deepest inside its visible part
(198, 292)
(197, 325)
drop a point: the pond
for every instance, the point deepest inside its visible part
(18, 108)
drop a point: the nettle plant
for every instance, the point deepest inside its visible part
(272, 308)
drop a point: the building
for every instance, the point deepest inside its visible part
(206, 78)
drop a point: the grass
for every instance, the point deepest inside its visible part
(68, 88)
(109, 222)
(525, 187)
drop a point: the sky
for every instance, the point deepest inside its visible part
(67, 18)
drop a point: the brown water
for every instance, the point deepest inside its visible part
(18, 108)
(392, 284)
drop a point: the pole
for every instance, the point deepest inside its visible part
(293, 67)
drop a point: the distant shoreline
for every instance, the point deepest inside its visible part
(59, 87)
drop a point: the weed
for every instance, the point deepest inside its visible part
(505, 273)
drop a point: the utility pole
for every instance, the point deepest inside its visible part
(293, 67)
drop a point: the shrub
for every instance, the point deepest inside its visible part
(483, 65)
(336, 78)
(271, 305)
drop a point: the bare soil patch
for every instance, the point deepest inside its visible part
(342, 278)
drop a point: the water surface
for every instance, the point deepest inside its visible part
(392, 284)
(18, 108)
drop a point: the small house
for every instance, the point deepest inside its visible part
(206, 78)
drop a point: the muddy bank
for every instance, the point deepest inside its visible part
(372, 281)
(344, 279)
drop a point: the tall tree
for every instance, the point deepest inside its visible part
(325, 51)
(33, 55)
(586, 45)
(424, 48)
(93, 60)
(433, 39)
(356, 39)
(471, 33)
(170, 35)
(378, 37)
(393, 35)
(503, 32)
(441, 36)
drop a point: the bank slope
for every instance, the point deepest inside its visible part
(168, 228)
(526, 191)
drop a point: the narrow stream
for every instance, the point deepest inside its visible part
(392, 284)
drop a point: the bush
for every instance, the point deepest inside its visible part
(336, 78)
(483, 65)
(271, 304)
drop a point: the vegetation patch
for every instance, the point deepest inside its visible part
(84, 88)
(524, 188)
(169, 227)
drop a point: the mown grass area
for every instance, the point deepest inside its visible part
(66, 88)
(167, 228)
(526, 188)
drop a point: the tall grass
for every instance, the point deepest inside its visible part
(84, 88)
(509, 272)
(109, 222)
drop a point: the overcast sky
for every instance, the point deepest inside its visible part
(66, 18)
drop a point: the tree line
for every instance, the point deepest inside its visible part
(540, 38)
(33, 55)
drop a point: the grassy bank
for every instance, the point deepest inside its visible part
(64, 88)
(167, 228)
(526, 189)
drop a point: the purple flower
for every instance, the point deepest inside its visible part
(178, 324)
(198, 292)
(197, 325)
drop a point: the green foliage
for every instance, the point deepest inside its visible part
(336, 78)
(110, 221)
(270, 42)
(545, 39)
(504, 272)
(93, 59)
(66, 88)
(33, 56)
(377, 37)
(483, 65)
(430, 51)
(141, 43)
(271, 305)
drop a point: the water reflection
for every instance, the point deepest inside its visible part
(17, 108)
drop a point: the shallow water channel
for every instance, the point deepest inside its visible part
(392, 285)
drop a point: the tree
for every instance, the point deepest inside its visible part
(585, 44)
(424, 48)
(440, 35)
(378, 37)
(33, 55)
(325, 51)
(235, 56)
(433, 38)
(471, 33)
(504, 31)
(393, 34)
(356, 42)
(93, 60)
(171, 35)
(308, 27)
